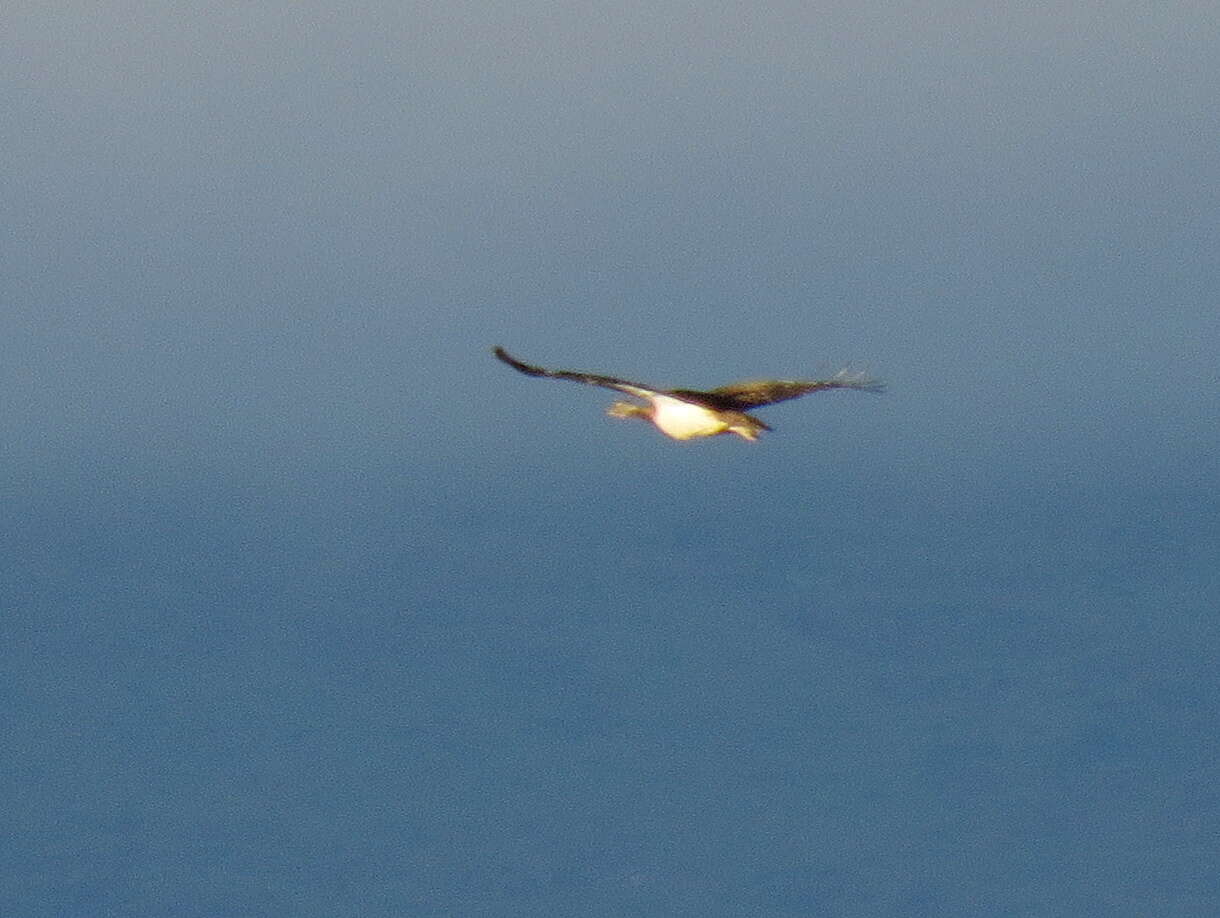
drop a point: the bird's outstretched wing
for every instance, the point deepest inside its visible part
(592, 379)
(742, 396)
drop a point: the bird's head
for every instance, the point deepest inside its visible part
(628, 410)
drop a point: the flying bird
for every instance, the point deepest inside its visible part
(685, 414)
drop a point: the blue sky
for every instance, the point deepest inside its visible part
(312, 607)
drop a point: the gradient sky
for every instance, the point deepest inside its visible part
(311, 607)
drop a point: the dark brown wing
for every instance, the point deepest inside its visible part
(592, 379)
(742, 396)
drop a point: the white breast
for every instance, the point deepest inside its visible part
(682, 420)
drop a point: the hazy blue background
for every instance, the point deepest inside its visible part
(310, 607)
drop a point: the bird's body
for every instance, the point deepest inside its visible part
(688, 414)
(686, 420)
